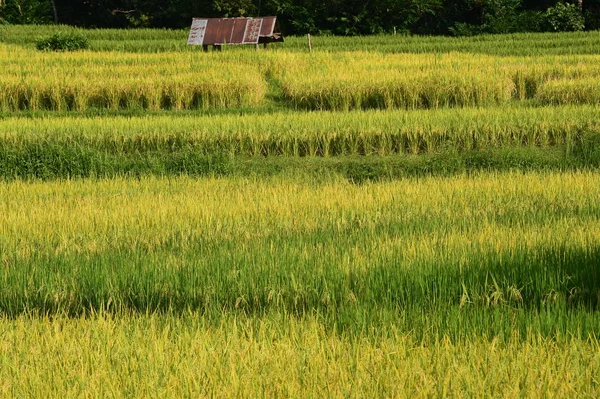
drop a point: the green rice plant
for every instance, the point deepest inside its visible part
(327, 134)
(518, 45)
(306, 259)
(477, 247)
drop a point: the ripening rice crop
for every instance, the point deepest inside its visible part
(570, 91)
(319, 281)
(312, 134)
(34, 81)
(364, 80)
(341, 81)
(465, 246)
(279, 356)
(358, 80)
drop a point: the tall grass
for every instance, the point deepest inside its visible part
(343, 81)
(570, 91)
(279, 356)
(314, 133)
(369, 145)
(449, 255)
(363, 80)
(286, 278)
(30, 81)
(340, 81)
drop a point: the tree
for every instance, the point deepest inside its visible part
(54, 11)
(565, 17)
(25, 11)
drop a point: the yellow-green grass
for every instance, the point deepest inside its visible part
(488, 254)
(312, 133)
(570, 91)
(279, 356)
(91, 216)
(367, 80)
(481, 285)
(33, 81)
(349, 80)
(358, 144)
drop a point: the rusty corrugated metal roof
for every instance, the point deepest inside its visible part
(218, 31)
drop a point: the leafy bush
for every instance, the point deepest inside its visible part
(500, 16)
(564, 17)
(63, 42)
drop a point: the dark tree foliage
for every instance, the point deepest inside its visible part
(25, 11)
(340, 17)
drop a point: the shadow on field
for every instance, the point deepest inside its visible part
(530, 278)
(254, 283)
(49, 162)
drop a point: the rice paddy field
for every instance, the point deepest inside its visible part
(386, 216)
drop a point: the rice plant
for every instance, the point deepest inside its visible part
(522, 241)
(279, 356)
(88, 80)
